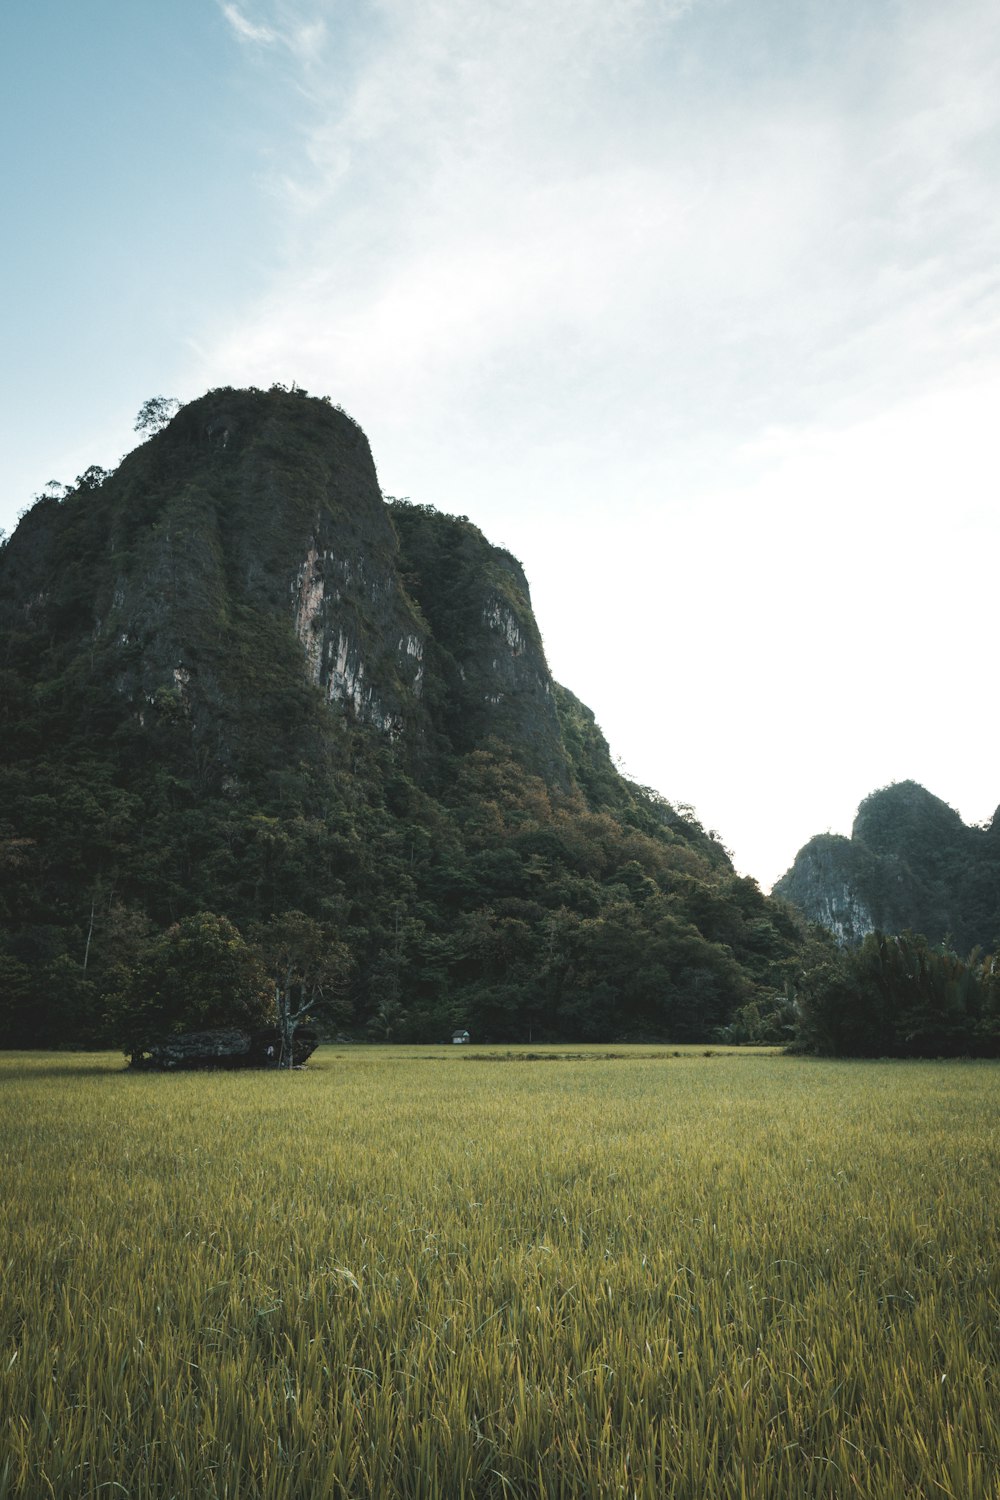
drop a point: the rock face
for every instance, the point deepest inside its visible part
(830, 883)
(253, 512)
(484, 645)
(910, 863)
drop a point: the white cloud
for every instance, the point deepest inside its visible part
(246, 30)
(305, 40)
(483, 178)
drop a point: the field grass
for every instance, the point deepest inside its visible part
(434, 1273)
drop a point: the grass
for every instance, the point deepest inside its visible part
(395, 1274)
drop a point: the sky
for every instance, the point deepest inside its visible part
(693, 305)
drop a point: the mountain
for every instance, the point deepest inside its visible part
(909, 864)
(236, 680)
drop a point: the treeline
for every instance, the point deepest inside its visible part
(901, 997)
(510, 908)
(893, 996)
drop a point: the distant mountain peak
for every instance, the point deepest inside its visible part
(910, 862)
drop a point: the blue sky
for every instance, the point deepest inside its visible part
(692, 304)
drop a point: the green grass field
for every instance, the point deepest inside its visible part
(434, 1273)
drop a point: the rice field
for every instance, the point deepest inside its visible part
(438, 1273)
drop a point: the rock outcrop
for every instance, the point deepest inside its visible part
(255, 511)
(910, 863)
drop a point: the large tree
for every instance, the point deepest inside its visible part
(199, 975)
(308, 969)
(155, 413)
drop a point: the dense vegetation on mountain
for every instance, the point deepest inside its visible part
(244, 698)
(910, 863)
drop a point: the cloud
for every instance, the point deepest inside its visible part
(246, 30)
(304, 39)
(478, 178)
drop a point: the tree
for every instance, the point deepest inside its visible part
(308, 970)
(54, 490)
(156, 413)
(92, 478)
(19, 1021)
(199, 975)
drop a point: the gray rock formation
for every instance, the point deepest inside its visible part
(910, 863)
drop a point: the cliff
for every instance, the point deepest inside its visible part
(236, 680)
(254, 511)
(910, 863)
